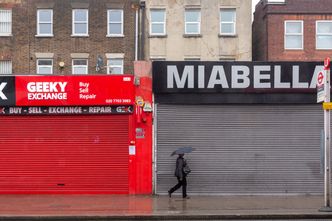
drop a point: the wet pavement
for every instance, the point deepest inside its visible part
(145, 207)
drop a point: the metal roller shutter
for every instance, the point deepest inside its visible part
(242, 149)
(47, 154)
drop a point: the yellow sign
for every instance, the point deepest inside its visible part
(327, 105)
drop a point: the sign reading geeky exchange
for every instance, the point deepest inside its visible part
(66, 90)
(228, 82)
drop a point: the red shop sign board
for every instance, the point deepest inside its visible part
(74, 90)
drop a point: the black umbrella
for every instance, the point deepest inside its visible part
(183, 150)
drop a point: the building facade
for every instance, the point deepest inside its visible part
(67, 37)
(292, 30)
(209, 30)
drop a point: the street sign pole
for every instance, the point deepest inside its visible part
(327, 163)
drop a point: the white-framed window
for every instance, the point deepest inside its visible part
(157, 22)
(80, 22)
(45, 22)
(79, 66)
(5, 22)
(115, 66)
(5, 67)
(115, 22)
(324, 34)
(192, 21)
(227, 21)
(44, 66)
(294, 35)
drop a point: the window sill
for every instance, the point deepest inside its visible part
(293, 49)
(158, 36)
(6, 35)
(79, 36)
(44, 36)
(227, 35)
(115, 36)
(192, 35)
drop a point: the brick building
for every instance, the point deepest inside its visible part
(292, 30)
(67, 36)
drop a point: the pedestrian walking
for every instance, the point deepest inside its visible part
(181, 171)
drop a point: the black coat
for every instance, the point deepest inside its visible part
(180, 164)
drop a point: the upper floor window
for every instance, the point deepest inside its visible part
(80, 22)
(80, 66)
(115, 22)
(5, 67)
(294, 35)
(5, 22)
(227, 21)
(158, 22)
(192, 21)
(324, 35)
(44, 66)
(115, 66)
(45, 22)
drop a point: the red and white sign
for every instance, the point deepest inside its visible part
(320, 79)
(74, 90)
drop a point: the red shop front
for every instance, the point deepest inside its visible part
(71, 134)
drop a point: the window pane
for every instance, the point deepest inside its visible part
(293, 42)
(80, 15)
(192, 16)
(45, 70)
(115, 70)
(5, 22)
(227, 29)
(45, 29)
(80, 62)
(324, 27)
(227, 15)
(81, 29)
(192, 28)
(293, 28)
(5, 67)
(45, 16)
(115, 16)
(157, 29)
(324, 42)
(115, 62)
(79, 70)
(5, 15)
(115, 29)
(158, 16)
(44, 62)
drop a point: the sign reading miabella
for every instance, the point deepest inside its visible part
(171, 77)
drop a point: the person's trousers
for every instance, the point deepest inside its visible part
(180, 183)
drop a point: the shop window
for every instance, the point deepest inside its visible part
(324, 35)
(5, 22)
(45, 22)
(294, 35)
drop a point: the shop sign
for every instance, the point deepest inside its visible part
(66, 90)
(66, 110)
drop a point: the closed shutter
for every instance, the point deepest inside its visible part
(242, 149)
(87, 154)
(5, 22)
(5, 67)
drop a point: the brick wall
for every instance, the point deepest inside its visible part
(23, 45)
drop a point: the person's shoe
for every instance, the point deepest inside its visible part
(186, 197)
(169, 194)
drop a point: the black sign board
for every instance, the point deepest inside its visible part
(7, 91)
(235, 82)
(77, 110)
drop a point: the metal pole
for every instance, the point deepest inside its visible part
(327, 175)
